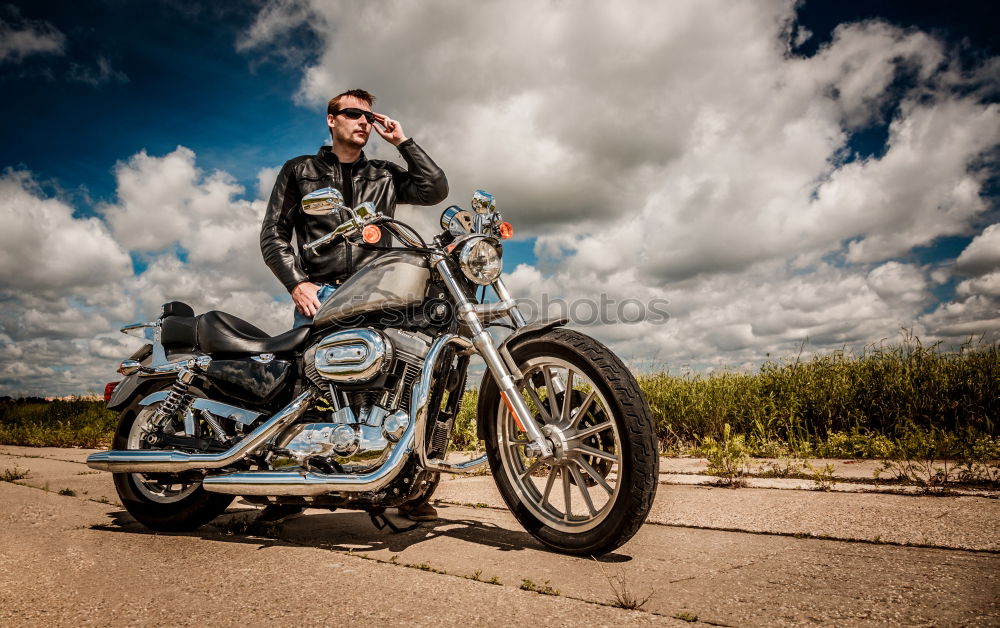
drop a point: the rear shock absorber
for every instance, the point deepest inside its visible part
(178, 400)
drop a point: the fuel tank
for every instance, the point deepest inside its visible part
(397, 279)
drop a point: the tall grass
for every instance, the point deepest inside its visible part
(884, 391)
(39, 423)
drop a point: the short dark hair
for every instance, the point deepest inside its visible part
(360, 94)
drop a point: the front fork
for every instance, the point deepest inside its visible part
(469, 313)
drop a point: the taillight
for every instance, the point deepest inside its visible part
(109, 390)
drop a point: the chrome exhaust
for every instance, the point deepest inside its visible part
(163, 461)
(304, 483)
(299, 482)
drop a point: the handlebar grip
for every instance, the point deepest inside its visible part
(315, 244)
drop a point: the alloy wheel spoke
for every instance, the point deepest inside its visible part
(594, 474)
(567, 497)
(546, 417)
(551, 391)
(567, 398)
(593, 429)
(548, 486)
(597, 453)
(534, 465)
(584, 407)
(582, 485)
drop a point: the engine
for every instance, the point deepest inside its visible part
(369, 375)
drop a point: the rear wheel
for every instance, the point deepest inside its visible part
(159, 501)
(594, 493)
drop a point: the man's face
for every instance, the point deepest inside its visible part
(347, 131)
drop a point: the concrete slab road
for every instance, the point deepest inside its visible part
(73, 560)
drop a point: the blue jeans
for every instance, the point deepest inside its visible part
(301, 320)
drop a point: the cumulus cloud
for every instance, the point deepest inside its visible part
(168, 208)
(21, 38)
(43, 248)
(983, 253)
(681, 150)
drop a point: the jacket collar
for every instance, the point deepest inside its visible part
(327, 155)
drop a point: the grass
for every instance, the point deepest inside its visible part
(38, 423)
(10, 475)
(835, 405)
(623, 595)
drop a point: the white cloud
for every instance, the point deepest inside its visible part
(983, 253)
(44, 249)
(988, 284)
(899, 284)
(25, 38)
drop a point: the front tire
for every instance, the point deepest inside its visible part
(586, 401)
(155, 501)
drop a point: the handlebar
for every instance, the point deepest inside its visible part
(364, 215)
(361, 216)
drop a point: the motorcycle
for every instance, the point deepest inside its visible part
(357, 410)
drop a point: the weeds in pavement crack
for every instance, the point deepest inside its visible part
(624, 597)
(9, 475)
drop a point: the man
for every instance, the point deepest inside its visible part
(312, 277)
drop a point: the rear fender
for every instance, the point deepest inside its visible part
(133, 387)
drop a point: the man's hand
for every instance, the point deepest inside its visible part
(390, 130)
(305, 299)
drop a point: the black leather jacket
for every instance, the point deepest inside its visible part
(381, 182)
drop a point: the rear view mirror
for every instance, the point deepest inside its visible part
(483, 202)
(323, 202)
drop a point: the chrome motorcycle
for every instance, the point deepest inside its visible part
(357, 410)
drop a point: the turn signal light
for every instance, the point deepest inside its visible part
(506, 230)
(371, 234)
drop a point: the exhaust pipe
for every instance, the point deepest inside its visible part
(310, 483)
(298, 482)
(163, 461)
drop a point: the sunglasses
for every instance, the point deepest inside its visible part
(354, 114)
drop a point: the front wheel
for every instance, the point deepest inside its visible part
(594, 493)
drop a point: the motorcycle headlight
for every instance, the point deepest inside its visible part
(480, 260)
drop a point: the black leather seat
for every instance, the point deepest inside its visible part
(218, 332)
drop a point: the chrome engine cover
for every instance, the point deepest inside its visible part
(351, 356)
(349, 443)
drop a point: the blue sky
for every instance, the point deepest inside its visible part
(807, 190)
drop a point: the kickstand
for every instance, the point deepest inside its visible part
(380, 521)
